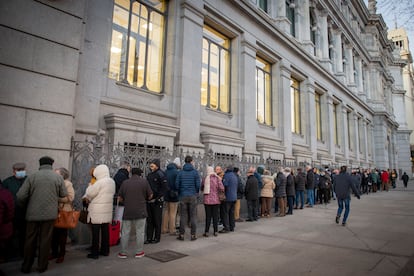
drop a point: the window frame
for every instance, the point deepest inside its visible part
(267, 92)
(296, 114)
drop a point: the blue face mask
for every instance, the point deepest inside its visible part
(20, 174)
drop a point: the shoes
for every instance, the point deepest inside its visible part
(301, 207)
(231, 230)
(193, 237)
(122, 255)
(180, 237)
(337, 219)
(223, 231)
(249, 220)
(205, 235)
(52, 257)
(343, 223)
(155, 241)
(147, 241)
(239, 220)
(104, 254)
(296, 208)
(140, 255)
(215, 234)
(41, 270)
(309, 206)
(60, 260)
(92, 256)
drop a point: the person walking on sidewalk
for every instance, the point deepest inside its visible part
(134, 194)
(343, 185)
(405, 178)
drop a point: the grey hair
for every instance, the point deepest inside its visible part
(63, 172)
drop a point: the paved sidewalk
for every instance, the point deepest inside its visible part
(378, 240)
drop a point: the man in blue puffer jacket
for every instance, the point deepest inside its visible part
(230, 182)
(188, 185)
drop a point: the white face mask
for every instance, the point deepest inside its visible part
(20, 174)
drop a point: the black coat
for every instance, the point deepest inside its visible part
(310, 180)
(290, 185)
(300, 181)
(251, 190)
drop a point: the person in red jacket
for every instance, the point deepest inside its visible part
(385, 179)
(6, 219)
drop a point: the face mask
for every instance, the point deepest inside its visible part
(20, 174)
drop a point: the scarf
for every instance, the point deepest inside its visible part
(210, 171)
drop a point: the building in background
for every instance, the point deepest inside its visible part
(402, 46)
(312, 82)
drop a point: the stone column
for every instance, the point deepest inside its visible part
(248, 92)
(192, 21)
(349, 69)
(324, 42)
(338, 63)
(286, 123)
(345, 141)
(356, 136)
(310, 116)
(330, 125)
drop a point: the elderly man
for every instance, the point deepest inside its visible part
(13, 184)
(40, 193)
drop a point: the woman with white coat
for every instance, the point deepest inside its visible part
(100, 197)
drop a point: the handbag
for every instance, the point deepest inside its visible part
(221, 195)
(83, 217)
(67, 219)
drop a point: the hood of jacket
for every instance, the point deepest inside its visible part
(101, 171)
(188, 167)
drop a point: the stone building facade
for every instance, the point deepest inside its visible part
(299, 80)
(400, 38)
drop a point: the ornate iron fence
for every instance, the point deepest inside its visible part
(90, 153)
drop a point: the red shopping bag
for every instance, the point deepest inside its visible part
(114, 232)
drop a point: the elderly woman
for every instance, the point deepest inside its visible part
(60, 235)
(100, 197)
(266, 193)
(211, 186)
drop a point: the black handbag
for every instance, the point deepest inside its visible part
(83, 217)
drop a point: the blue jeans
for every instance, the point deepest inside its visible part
(310, 196)
(300, 194)
(139, 225)
(341, 202)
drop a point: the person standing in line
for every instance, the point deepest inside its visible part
(266, 194)
(258, 174)
(300, 181)
(405, 179)
(280, 193)
(343, 186)
(171, 198)
(230, 183)
(240, 193)
(211, 186)
(188, 186)
(394, 177)
(385, 180)
(134, 193)
(158, 182)
(290, 189)
(60, 235)
(252, 194)
(6, 221)
(13, 183)
(99, 197)
(40, 192)
(310, 186)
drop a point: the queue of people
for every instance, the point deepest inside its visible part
(155, 204)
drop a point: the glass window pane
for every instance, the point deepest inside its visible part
(155, 52)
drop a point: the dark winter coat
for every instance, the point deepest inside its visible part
(343, 186)
(158, 182)
(171, 195)
(290, 185)
(6, 214)
(230, 183)
(300, 181)
(120, 176)
(310, 180)
(280, 181)
(188, 181)
(251, 190)
(240, 187)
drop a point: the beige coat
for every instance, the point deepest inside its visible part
(67, 201)
(268, 186)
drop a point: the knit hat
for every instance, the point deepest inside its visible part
(177, 161)
(156, 162)
(46, 160)
(19, 166)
